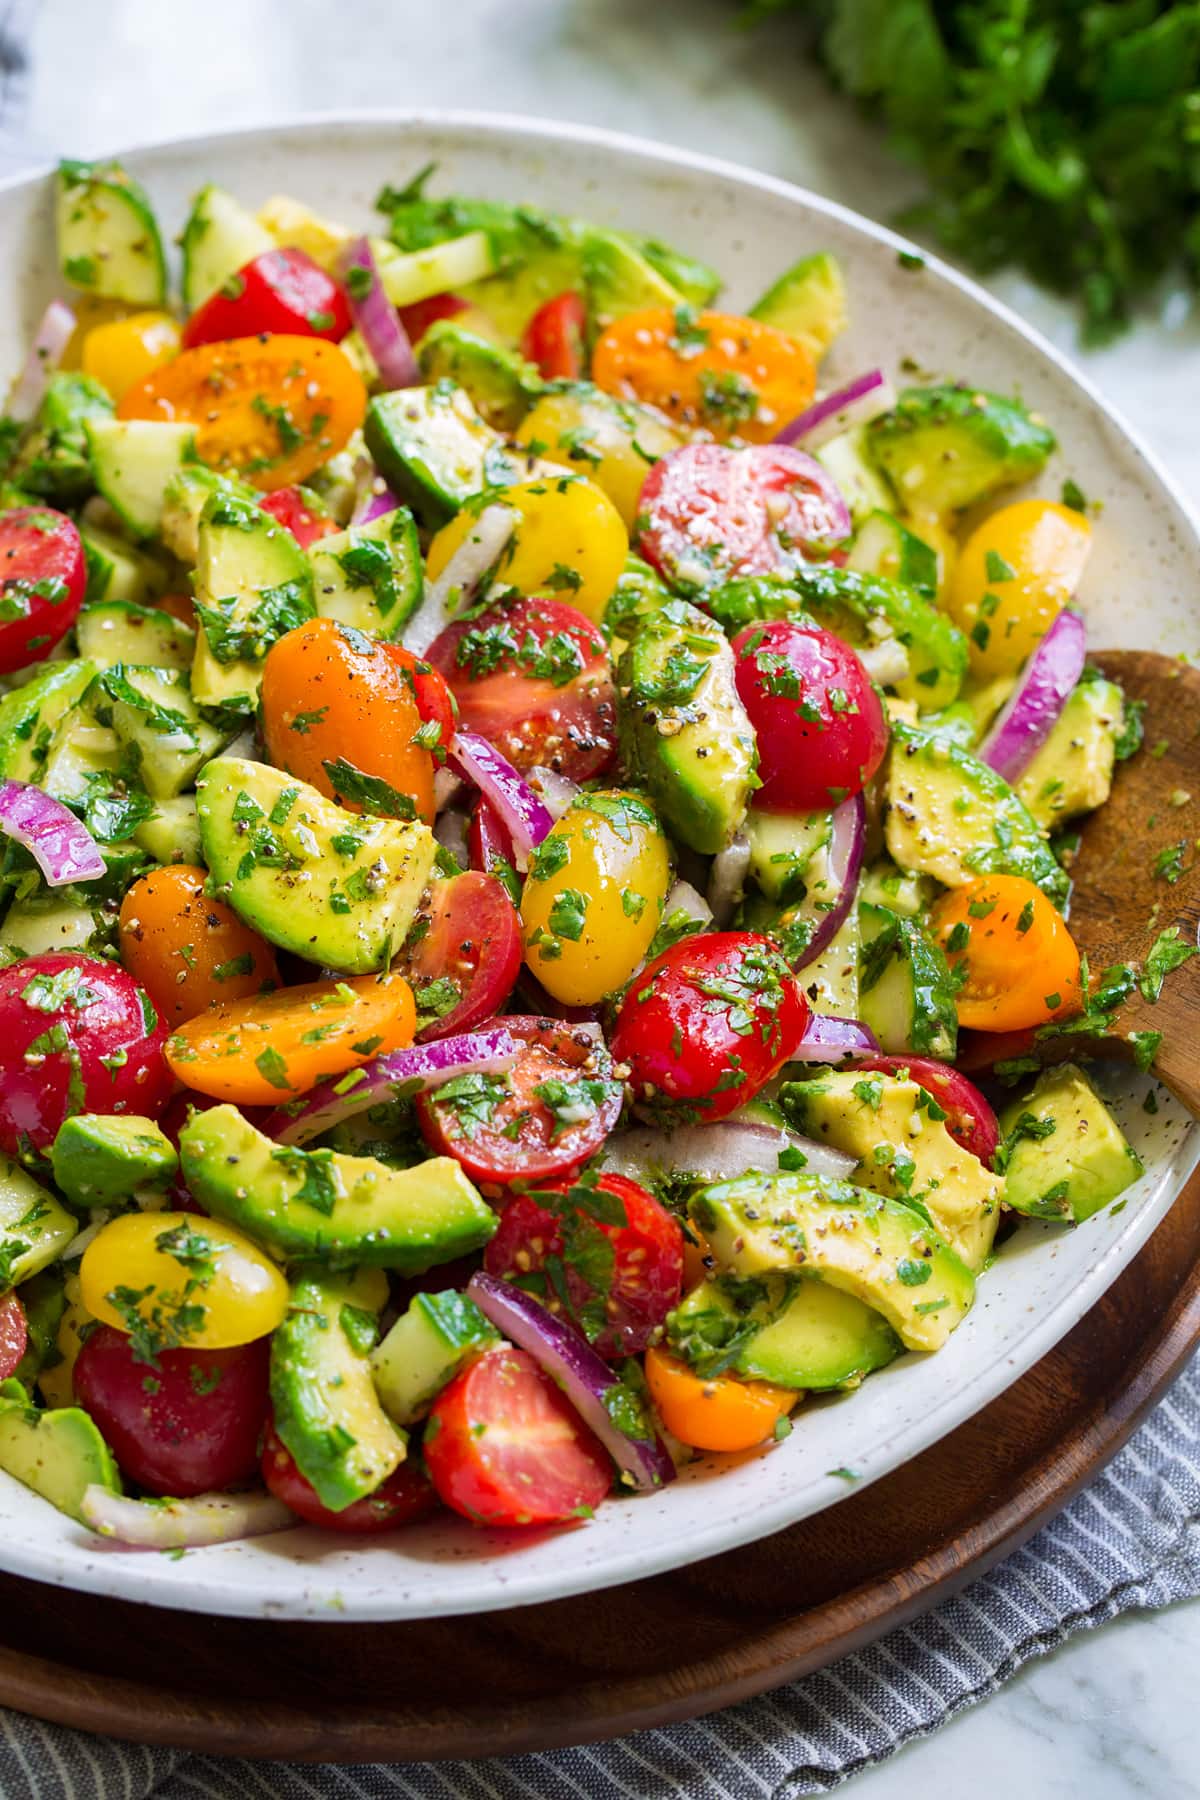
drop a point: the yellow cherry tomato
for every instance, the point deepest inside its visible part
(123, 352)
(611, 441)
(594, 896)
(1015, 574)
(181, 1279)
(569, 543)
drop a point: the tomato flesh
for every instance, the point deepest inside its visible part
(42, 582)
(13, 1334)
(554, 337)
(504, 1447)
(969, 1119)
(403, 1498)
(294, 511)
(490, 847)
(417, 317)
(473, 945)
(279, 291)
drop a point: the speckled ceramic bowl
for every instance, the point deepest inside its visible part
(1141, 590)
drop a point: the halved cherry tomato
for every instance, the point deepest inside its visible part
(732, 375)
(969, 1119)
(189, 951)
(13, 1333)
(421, 314)
(714, 1412)
(647, 1259)
(403, 1498)
(504, 1446)
(708, 513)
(708, 1023)
(297, 509)
(503, 1128)
(279, 291)
(330, 694)
(820, 726)
(472, 949)
(532, 676)
(491, 848)
(270, 409)
(258, 1052)
(553, 338)
(121, 351)
(1014, 575)
(435, 701)
(42, 583)
(1020, 961)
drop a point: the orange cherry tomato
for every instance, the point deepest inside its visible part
(330, 695)
(190, 952)
(1020, 961)
(262, 1051)
(734, 376)
(271, 409)
(715, 1412)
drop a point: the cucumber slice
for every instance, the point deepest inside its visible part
(108, 237)
(433, 449)
(370, 576)
(49, 921)
(862, 486)
(219, 238)
(116, 571)
(134, 462)
(782, 848)
(152, 711)
(906, 995)
(252, 584)
(883, 546)
(425, 1349)
(30, 715)
(116, 631)
(35, 1228)
(408, 276)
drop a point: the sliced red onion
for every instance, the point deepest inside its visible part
(718, 1152)
(828, 1039)
(583, 1375)
(375, 498)
(182, 1524)
(846, 408)
(473, 1052)
(683, 897)
(558, 792)
(727, 878)
(462, 577)
(45, 354)
(378, 320)
(63, 848)
(522, 814)
(1029, 714)
(447, 787)
(834, 893)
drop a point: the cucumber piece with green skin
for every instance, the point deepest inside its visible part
(946, 447)
(35, 1228)
(899, 890)
(53, 461)
(951, 816)
(219, 238)
(370, 576)
(782, 850)
(59, 1454)
(905, 990)
(695, 281)
(878, 1250)
(54, 920)
(30, 715)
(172, 832)
(858, 480)
(252, 583)
(329, 1207)
(501, 384)
(617, 279)
(830, 979)
(152, 712)
(99, 1158)
(82, 754)
(44, 1301)
(425, 1349)
(108, 237)
(118, 572)
(808, 302)
(444, 268)
(134, 462)
(1063, 1154)
(434, 451)
(117, 631)
(326, 1411)
(333, 887)
(883, 546)
(795, 1333)
(683, 727)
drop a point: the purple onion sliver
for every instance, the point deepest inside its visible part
(182, 1524)
(828, 1039)
(855, 404)
(1043, 689)
(847, 847)
(583, 1375)
(522, 814)
(54, 333)
(63, 848)
(377, 319)
(377, 505)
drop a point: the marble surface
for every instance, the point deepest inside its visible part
(1112, 1713)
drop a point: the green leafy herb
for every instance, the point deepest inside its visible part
(370, 792)
(1168, 952)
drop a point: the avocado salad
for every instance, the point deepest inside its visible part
(519, 803)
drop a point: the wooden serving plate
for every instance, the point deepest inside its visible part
(668, 1648)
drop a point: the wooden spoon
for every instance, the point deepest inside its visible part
(1119, 905)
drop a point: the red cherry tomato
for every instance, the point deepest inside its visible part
(13, 1334)
(490, 847)
(708, 1023)
(647, 1271)
(293, 507)
(553, 338)
(532, 676)
(279, 291)
(820, 726)
(473, 942)
(186, 1426)
(421, 314)
(708, 513)
(511, 1133)
(404, 1497)
(430, 691)
(76, 1035)
(969, 1119)
(504, 1446)
(42, 583)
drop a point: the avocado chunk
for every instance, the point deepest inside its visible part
(1063, 1154)
(618, 279)
(787, 850)
(186, 495)
(879, 1250)
(808, 302)
(101, 1157)
(858, 479)
(795, 1332)
(951, 816)
(326, 1410)
(898, 1133)
(501, 384)
(35, 1228)
(683, 727)
(30, 714)
(59, 1454)
(252, 583)
(1072, 773)
(639, 591)
(53, 460)
(899, 891)
(425, 1349)
(434, 451)
(44, 1300)
(943, 448)
(906, 993)
(323, 1205)
(172, 832)
(334, 887)
(370, 576)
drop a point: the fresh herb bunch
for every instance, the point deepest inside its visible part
(1059, 135)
